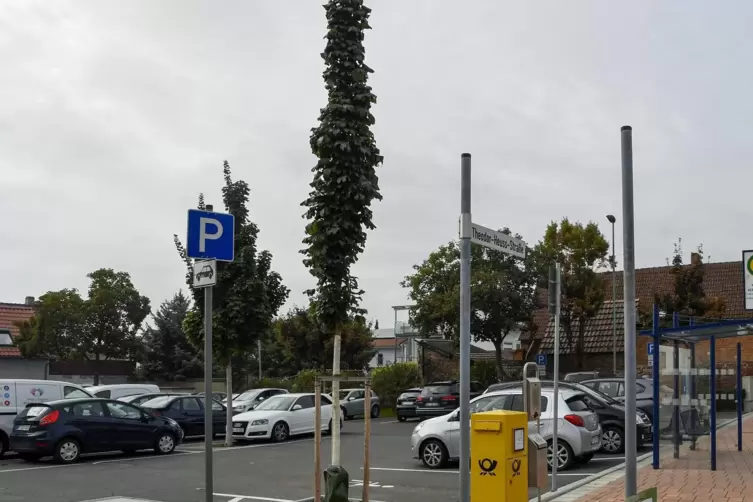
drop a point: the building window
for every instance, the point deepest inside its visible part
(5, 340)
(380, 359)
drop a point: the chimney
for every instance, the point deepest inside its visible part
(29, 300)
(695, 258)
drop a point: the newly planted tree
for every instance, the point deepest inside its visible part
(345, 181)
(247, 295)
(581, 251)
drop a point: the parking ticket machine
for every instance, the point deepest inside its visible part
(537, 445)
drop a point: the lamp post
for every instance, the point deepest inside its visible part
(613, 260)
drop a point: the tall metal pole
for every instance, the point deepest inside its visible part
(394, 333)
(558, 288)
(208, 422)
(614, 307)
(465, 326)
(628, 245)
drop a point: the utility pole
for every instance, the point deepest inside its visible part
(465, 327)
(612, 219)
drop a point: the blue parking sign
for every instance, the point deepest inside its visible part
(541, 359)
(211, 236)
(650, 349)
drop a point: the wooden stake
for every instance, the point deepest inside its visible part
(366, 441)
(317, 441)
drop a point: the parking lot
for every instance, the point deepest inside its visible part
(261, 471)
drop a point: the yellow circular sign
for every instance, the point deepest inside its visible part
(749, 265)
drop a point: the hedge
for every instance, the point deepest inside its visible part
(389, 381)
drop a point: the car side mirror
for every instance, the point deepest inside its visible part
(297, 407)
(145, 418)
(260, 398)
(351, 398)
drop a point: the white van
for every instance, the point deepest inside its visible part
(16, 394)
(117, 391)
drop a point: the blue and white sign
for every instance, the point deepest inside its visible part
(651, 349)
(541, 359)
(211, 236)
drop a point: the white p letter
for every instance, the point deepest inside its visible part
(204, 236)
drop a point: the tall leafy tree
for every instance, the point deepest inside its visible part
(306, 345)
(247, 295)
(581, 251)
(503, 299)
(345, 181)
(167, 354)
(102, 326)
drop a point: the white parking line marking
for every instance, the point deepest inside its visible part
(411, 470)
(38, 467)
(391, 422)
(237, 498)
(607, 459)
(129, 459)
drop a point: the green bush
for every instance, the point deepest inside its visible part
(305, 381)
(389, 381)
(484, 372)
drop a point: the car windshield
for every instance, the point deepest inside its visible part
(277, 403)
(249, 395)
(129, 399)
(344, 393)
(594, 393)
(157, 402)
(436, 389)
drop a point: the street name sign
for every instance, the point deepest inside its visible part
(211, 236)
(497, 241)
(204, 273)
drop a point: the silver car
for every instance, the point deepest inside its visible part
(352, 402)
(252, 398)
(436, 441)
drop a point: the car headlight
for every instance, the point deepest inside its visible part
(263, 421)
(238, 408)
(639, 419)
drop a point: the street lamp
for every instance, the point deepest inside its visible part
(613, 261)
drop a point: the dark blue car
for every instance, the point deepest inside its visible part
(188, 412)
(66, 429)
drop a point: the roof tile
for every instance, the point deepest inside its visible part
(10, 313)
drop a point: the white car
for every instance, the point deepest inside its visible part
(282, 416)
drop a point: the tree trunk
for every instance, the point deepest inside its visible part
(229, 411)
(498, 359)
(336, 399)
(96, 369)
(579, 348)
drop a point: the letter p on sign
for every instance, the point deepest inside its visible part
(211, 236)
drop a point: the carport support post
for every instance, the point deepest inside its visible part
(739, 396)
(557, 309)
(208, 418)
(628, 239)
(366, 442)
(465, 326)
(712, 411)
(676, 393)
(655, 373)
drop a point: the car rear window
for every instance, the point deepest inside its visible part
(409, 394)
(578, 403)
(33, 411)
(443, 388)
(105, 394)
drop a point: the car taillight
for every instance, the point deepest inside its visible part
(156, 413)
(50, 419)
(576, 420)
(449, 398)
(419, 398)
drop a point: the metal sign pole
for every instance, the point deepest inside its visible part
(628, 232)
(558, 292)
(208, 422)
(465, 326)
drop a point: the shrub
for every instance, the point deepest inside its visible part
(305, 381)
(484, 372)
(389, 381)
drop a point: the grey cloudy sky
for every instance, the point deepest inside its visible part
(115, 114)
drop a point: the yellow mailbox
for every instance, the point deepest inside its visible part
(499, 456)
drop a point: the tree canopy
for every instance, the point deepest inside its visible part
(503, 298)
(581, 251)
(166, 353)
(101, 326)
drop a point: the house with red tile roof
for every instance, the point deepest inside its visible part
(12, 364)
(723, 280)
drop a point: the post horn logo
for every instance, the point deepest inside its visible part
(487, 466)
(516, 467)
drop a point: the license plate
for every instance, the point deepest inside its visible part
(595, 440)
(238, 424)
(237, 429)
(408, 402)
(23, 427)
(432, 404)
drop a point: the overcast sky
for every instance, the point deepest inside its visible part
(115, 114)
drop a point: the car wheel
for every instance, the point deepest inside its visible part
(612, 440)
(165, 444)
(344, 413)
(565, 457)
(4, 444)
(280, 432)
(375, 411)
(433, 454)
(401, 418)
(67, 451)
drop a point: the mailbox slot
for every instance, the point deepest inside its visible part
(538, 473)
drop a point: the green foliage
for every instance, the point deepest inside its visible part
(102, 326)
(167, 354)
(389, 381)
(345, 181)
(306, 345)
(484, 372)
(687, 297)
(248, 292)
(305, 381)
(581, 251)
(503, 300)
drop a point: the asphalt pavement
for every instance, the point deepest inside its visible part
(256, 471)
